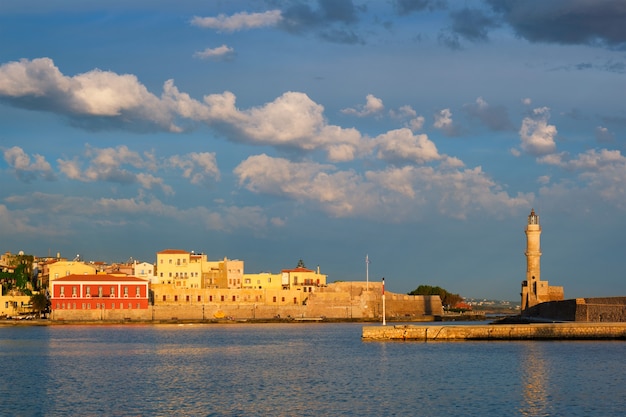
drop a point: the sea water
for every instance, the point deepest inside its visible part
(289, 369)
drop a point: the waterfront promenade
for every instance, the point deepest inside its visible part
(536, 331)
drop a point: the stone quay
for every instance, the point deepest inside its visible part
(535, 331)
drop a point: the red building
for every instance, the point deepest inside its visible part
(99, 292)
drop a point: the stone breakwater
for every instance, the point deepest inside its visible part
(543, 331)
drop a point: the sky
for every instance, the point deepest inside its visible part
(418, 133)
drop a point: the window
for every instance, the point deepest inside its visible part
(126, 291)
(164, 297)
(88, 290)
(187, 299)
(137, 291)
(274, 299)
(175, 298)
(210, 298)
(99, 293)
(112, 305)
(199, 298)
(234, 298)
(269, 280)
(62, 291)
(112, 291)
(74, 291)
(222, 298)
(138, 305)
(295, 300)
(282, 299)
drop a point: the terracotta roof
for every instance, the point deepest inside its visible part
(173, 251)
(298, 270)
(100, 277)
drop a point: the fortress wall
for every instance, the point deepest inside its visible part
(557, 331)
(565, 310)
(100, 314)
(607, 309)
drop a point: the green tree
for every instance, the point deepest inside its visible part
(447, 298)
(40, 303)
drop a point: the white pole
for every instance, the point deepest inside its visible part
(367, 273)
(384, 321)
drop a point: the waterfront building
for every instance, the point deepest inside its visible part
(144, 270)
(14, 304)
(264, 280)
(184, 269)
(56, 269)
(301, 278)
(534, 289)
(94, 296)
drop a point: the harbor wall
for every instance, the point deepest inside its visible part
(599, 309)
(556, 331)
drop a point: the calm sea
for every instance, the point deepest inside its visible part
(298, 370)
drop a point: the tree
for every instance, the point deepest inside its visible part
(40, 303)
(447, 298)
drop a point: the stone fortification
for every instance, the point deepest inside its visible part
(557, 331)
(606, 309)
(344, 300)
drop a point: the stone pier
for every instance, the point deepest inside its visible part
(543, 331)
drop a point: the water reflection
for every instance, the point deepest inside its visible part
(534, 371)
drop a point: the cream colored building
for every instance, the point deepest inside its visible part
(301, 278)
(14, 305)
(60, 269)
(184, 269)
(264, 280)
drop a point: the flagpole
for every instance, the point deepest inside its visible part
(384, 321)
(367, 273)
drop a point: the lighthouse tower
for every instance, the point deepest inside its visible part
(534, 290)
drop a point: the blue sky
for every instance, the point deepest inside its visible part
(420, 132)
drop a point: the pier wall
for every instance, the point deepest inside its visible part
(557, 331)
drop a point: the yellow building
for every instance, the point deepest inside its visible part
(14, 305)
(179, 268)
(60, 269)
(264, 280)
(184, 269)
(302, 278)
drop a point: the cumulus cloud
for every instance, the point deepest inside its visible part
(372, 106)
(239, 21)
(443, 122)
(402, 146)
(394, 193)
(565, 21)
(494, 117)
(536, 134)
(98, 98)
(409, 116)
(100, 95)
(114, 165)
(221, 53)
(26, 169)
(198, 167)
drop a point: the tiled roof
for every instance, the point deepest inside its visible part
(300, 269)
(173, 251)
(100, 277)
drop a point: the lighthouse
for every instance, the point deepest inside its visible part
(534, 290)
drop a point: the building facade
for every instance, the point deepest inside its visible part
(94, 296)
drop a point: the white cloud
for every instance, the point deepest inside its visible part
(114, 165)
(239, 21)
(536, 134)
(392, 194)
(443, 122)
(197, 166)
(98, 94)
(372, 106)
(25, 169)
(401, 146)
(217, 54)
